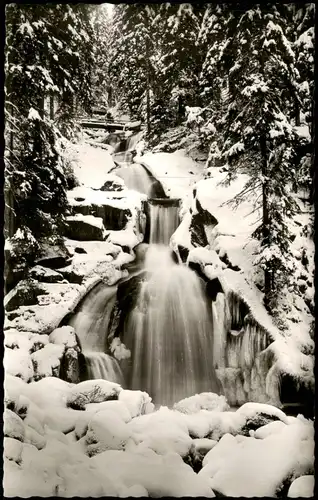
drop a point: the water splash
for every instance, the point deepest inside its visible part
(169, 332)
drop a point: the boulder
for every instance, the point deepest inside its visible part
(46, 361)
(92, 391)
(204, 401)
(70, 366)
(197, 226)
(13, 426)
(53, 256)
(84, 227)
(45, 275)
(114, 218)
(302, 487)
(106, 431)
(24, 293)
(17, 362)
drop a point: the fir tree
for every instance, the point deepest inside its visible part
(260, 136)
(43, 48)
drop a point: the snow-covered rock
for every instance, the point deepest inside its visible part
(92, 391)
(13, 426)
(160, 475)
(106, 431)
(302, 487)
(203, 401)
(45, 275)
(245, 466)
(64, 335)
(137, 402)
(47, 361)
(116, 406)
(17, 362)
(85, 227)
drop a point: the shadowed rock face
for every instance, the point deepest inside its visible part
(114, 218)
(198, 222)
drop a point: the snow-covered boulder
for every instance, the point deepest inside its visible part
(47, 361)
(45, 275)
(25, 293)
(137, 402)
(17, 362)
(302, 487)
(85, 227)
(160, 475)
(53, 256)
(13, 426)
(106, 431)
(203, 401)
(258, 415)
(92, 391)
(245, 466)
(114, 405)
(64, 335)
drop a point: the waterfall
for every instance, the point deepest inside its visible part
(101, 365)
(91, 323)
(164, 220)
(169, 332)
(136, 177)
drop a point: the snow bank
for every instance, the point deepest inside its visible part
(160, 475)
(91, 165)
(258, 467)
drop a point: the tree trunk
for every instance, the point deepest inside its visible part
(52, 107)
(266, 219)
(297, 112)
(148, 88)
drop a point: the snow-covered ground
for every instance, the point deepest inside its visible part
(97, 439)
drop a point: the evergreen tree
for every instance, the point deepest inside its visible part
(260, 136)
(43, 61)
(130, 64)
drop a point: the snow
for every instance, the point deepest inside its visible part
(65, 335)
(92, 391)
(173, 171)
(106, 431)
(160, 475)
(137, 402)
(17, 362)
(250, 410)
(205, 400)
(47, 359)
(91, 165)
(119, 350)
(115, 406)
(257, 467)
(302, 487)
(126, 199)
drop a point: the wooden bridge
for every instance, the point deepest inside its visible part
(111, 126)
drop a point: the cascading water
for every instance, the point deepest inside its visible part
(164, 220)
(169, 332)
(136, 177)
(91, 324)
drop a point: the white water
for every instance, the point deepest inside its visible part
(164, 220)
(137, 178)
(169, 333)
(102, 366)
(91, 324)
